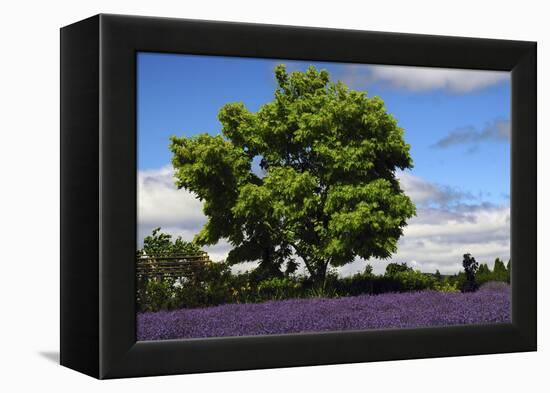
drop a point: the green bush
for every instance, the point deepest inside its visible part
(213, 283)
(396, 281)
(158, 294)
(322, 292)
(207, 284)
(414, 280)
(447, 285)
(364, 283)
(279, 288)
(394, 268)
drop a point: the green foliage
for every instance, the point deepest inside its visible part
(325, 291)
(460, 279)
(447, 285)
(161, 244)
(328, 191)
(215, 284)
(291, 267)
(414, 280)
(208, 284)
(278, 289)
(393, 268)
(409, 279)
(156, 295)
(500, 272)
(368, 270)
(470, 269)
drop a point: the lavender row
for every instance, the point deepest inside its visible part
(392, 310)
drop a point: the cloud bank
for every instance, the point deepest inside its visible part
(425, 193)
(445, 228)
(421, 79)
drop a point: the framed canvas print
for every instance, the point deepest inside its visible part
(239, 196)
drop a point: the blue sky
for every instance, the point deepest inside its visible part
(182, 94)
(456, 121)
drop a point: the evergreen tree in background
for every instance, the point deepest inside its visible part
(470, 269)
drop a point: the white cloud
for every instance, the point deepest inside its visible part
(443, 230)
(424, 193)
(177, 212)
(438, 236)
(427, 78)
(160, 203)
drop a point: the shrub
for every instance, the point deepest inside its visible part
(367, 283)
(447, 285)
(357, 284)
(207, 284)
(362, 283)
(414, 280)
(158, 294)
(213, 283)
(321, 292)
(278, 288)
(393, 268)
(189, 295)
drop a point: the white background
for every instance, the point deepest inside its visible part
(29, 195)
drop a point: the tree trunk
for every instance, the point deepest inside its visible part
(318, 273)
(267, 264)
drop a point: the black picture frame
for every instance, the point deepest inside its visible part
(98, 195)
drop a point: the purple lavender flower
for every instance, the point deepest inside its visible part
(392, 310)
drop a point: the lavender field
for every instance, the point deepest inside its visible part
(392, 310)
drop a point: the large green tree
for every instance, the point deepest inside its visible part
(326, 190)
